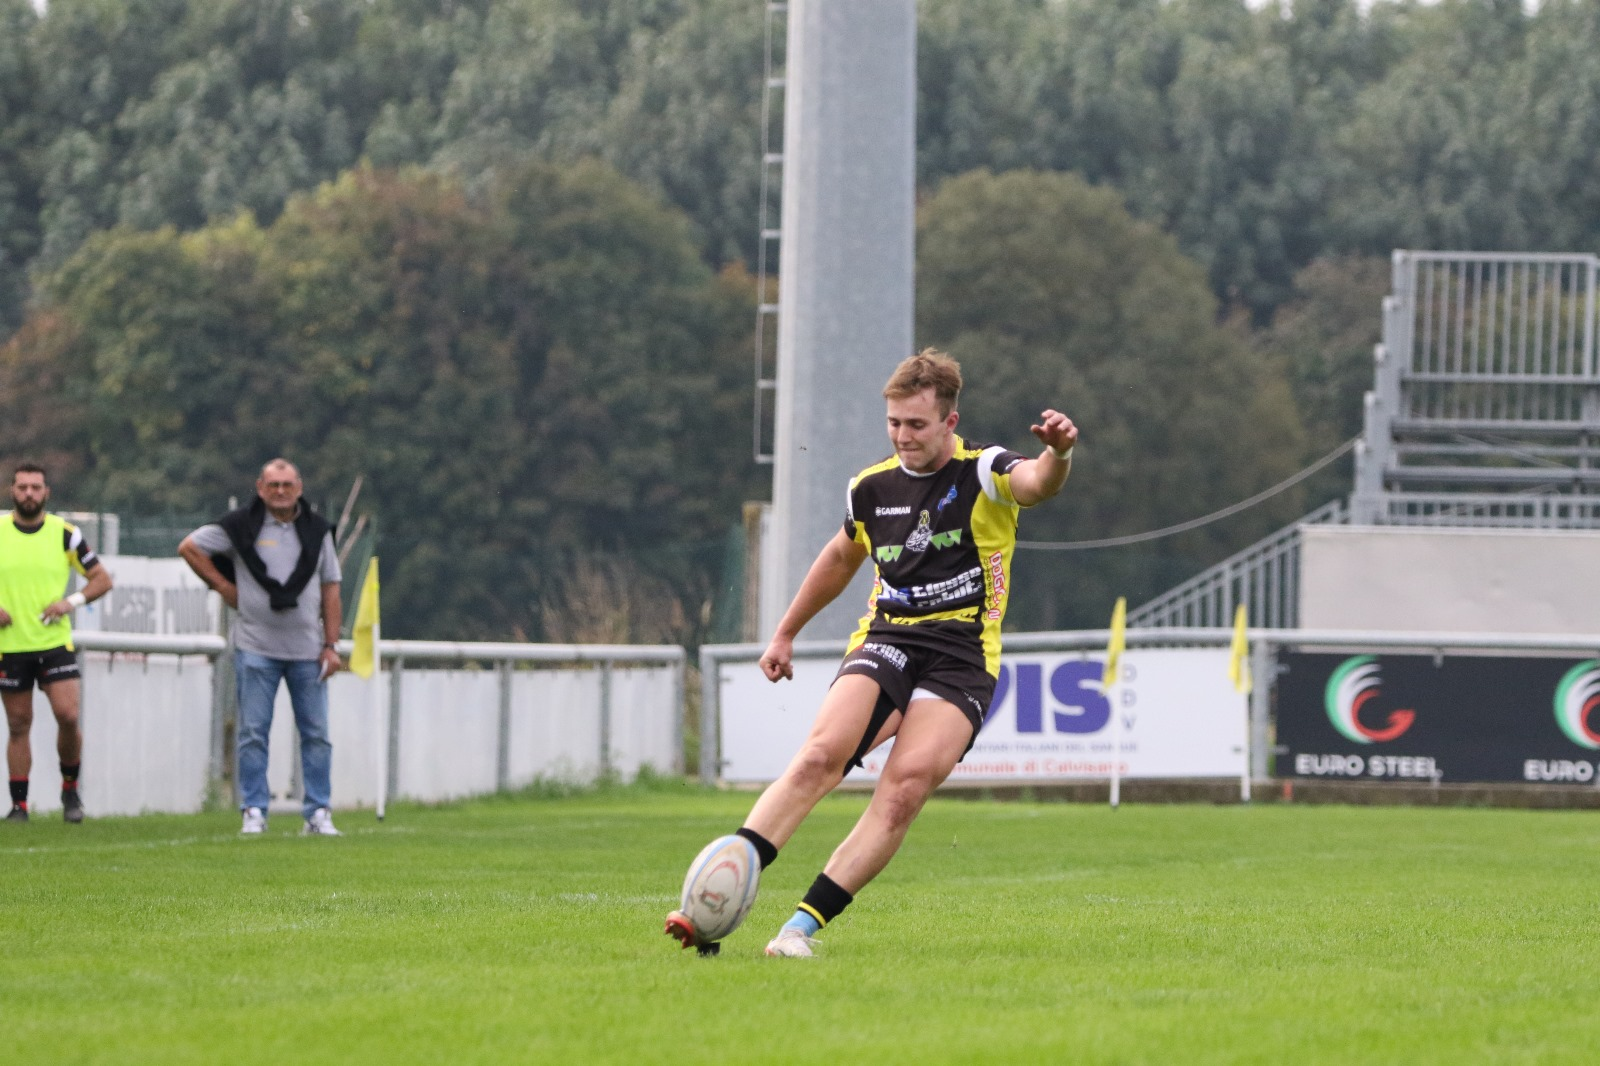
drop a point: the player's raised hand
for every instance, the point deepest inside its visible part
(1055, 430)
(777, 662)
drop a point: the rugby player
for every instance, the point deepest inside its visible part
(38, 551)
(938, 519)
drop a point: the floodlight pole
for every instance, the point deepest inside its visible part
(846, 274)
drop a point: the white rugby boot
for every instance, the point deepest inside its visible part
(255, 822)
(791, 944)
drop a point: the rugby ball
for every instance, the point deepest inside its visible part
(720, 887)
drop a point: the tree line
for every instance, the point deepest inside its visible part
(490, 254)
(1261, 139)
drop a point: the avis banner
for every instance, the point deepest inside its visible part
(1051, 719)
(1421, 718)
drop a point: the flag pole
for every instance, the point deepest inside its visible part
(1116, 750)
(1239, 674)
(1108, 687)
(366, 663)
(380, 716)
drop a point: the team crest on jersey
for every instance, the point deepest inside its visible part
(921, 539)
(921, 536)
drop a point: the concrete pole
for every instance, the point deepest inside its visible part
(846, 273)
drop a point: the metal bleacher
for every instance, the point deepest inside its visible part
(1485, 412)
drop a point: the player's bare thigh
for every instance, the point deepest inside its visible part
(64, 697)
(843, 718)
(932, 738)
(930, 741)
(819, 764)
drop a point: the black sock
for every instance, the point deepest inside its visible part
(69, 775)
(19, 791)
(764, 849)
(825, 899)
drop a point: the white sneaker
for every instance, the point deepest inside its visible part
(792, 944)
(320, 824)
(255, 821)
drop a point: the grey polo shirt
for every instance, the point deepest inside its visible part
(295, 634)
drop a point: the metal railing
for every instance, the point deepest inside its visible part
(396, 657)
(1265, 577)
(1487, 385)
(393, 655)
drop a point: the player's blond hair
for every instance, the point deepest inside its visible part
(928, 369)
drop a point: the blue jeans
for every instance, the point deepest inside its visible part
(258, 687)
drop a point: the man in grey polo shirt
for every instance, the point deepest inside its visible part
(273, 561)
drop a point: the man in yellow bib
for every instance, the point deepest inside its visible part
(38, 551)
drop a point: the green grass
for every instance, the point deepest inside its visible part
(528, 930)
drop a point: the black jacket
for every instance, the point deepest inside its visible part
(243, 527)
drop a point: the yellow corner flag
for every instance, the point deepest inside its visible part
(1119, 626)
(1239, 657)
(363, 660)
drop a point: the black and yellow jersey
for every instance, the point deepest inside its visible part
(942, 545)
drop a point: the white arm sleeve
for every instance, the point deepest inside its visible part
(986, 472)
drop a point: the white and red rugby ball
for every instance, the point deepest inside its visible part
(720, 887)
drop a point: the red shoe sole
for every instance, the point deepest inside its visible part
(680, 928)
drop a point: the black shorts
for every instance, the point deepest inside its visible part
(901, 669)
(21, 670)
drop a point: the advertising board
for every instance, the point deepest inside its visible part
(1051, 719)
(1432, 718)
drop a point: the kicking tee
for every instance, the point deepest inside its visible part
(941, 544)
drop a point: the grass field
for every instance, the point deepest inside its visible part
(527, 929)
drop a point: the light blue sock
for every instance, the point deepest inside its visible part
(805, 922)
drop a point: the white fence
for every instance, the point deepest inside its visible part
(450, 720)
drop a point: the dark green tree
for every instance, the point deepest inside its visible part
(1049, 293)
(1324, 336)
(1426, 158)
(19, 133)
(685, 121)
(539, 386)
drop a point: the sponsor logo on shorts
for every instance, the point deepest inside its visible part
(881, 511)
(862, 662)
(888, 653)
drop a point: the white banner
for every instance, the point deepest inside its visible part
(1051, 719)
(151, 596)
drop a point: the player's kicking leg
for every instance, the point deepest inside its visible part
(814, 771)
(929, 742)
